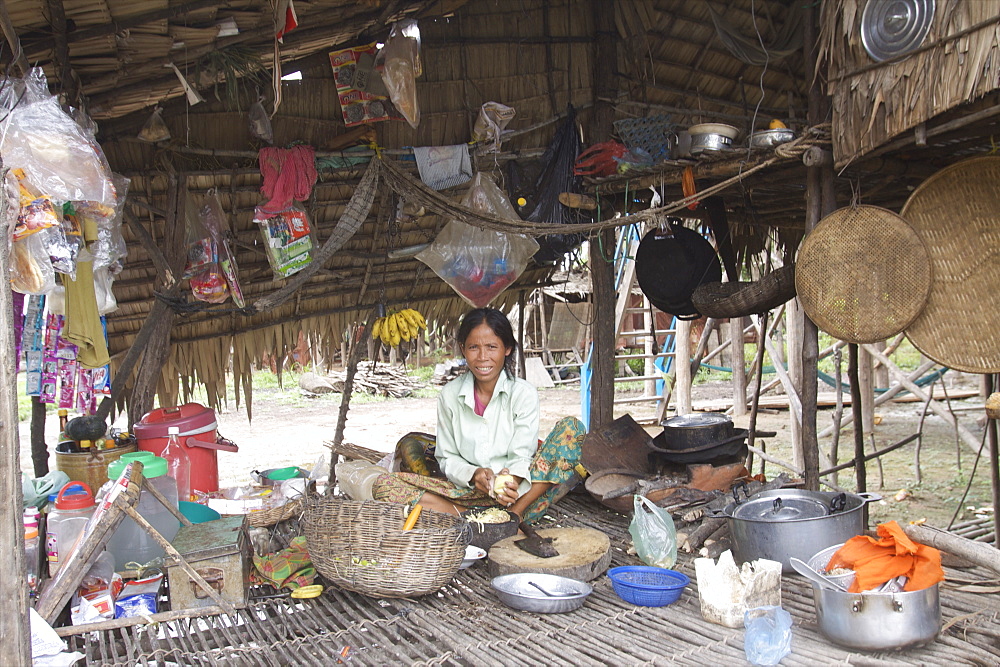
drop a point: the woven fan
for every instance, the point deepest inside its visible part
(956, 212)
(862, 274)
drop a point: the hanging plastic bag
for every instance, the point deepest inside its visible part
(287, 239)
(59, 157)
(479, 263)
(489, 127)
(213, 216)
(653, 533)
(206, 280)
(154, 129)
(103, 225)
(260, 124)
(30, 267)
(400, 65)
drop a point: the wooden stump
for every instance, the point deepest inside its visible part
(584, 553)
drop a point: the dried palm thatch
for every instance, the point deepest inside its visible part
(873, 102)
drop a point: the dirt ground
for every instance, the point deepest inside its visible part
(288, 429)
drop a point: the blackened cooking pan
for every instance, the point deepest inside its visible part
(670, 264)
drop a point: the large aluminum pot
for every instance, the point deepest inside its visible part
(878, 621)
(786, 523)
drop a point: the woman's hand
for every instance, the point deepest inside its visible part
(507, 495)
(482, 481)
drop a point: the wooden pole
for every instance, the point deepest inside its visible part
(738, 364)
(604, 86)
(991, 427)
(793, 325)
(39, 449)
(521, 370)
(859, 436)
(818, 105)
(14, 630)
(345, 400)
(762, 333)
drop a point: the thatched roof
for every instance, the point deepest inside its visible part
(691, 61)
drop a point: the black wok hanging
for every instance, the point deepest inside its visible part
(670, 264)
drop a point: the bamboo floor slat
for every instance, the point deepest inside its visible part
(465, 624)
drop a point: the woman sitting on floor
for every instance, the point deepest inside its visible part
(487, 425)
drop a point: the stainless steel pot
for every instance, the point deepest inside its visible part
(878, 621)
(771, 138)
(696, 430)
(803, 523)
(702, 143)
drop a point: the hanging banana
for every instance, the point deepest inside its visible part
(402, 325)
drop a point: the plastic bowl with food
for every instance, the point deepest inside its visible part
(541, 593)
(472, 555)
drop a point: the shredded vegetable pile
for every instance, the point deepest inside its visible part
(490, 515)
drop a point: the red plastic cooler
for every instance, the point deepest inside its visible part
(197, 425)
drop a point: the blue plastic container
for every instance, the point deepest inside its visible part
(648, 586)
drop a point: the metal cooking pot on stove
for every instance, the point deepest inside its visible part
(696, 430)
(785, 523)
(878, 621)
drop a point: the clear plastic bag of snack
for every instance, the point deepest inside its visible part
(217, 223)
(59, 157)
(480, 263)
(400, 65)
(30, 268)
(154, 129)
(287, 238)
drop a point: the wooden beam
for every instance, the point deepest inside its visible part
(604, 83)
(14, 629)
(19, 61)
(68, 80)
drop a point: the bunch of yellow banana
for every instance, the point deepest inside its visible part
(402, 325)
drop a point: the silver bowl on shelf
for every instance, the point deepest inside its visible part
(540, 593)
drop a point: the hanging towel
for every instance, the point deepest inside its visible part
(288, 173)
(83, 323)
(443, 167)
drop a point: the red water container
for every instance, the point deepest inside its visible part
(198, 436)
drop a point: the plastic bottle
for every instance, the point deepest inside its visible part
(178, 463)
(73, 506)
(130, 543)
(31, 560)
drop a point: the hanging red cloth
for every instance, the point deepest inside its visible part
(289, 174)
(893, 554)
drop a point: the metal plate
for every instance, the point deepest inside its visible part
(891, 28)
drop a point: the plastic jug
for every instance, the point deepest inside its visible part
(357, 477)
(130, 543)
(73, 506)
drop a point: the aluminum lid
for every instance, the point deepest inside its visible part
(780, 509)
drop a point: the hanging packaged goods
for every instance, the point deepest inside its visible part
(287, 238)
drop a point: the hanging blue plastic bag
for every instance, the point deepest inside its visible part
(653, 533)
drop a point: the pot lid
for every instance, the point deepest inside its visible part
(721, 129)
(780, 509)
(696, 420)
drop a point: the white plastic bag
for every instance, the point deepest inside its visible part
(400, 64)
(653, 533)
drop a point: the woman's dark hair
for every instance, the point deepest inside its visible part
(498, 323)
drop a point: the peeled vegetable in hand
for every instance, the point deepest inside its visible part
(500, 483)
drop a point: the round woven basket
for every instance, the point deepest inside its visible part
(862, 275)
(360, 546)
(737, 299)
(955, 212)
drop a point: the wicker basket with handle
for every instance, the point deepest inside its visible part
(360, 546)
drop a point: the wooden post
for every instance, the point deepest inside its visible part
(159, 322)
(39, 449)
(14, 629)
(859, 436)
(866, 382)
(817, 181)
(737, 362)
(604, 88)
(793, 325)
(521, 370)
(682, 366)
(994, 457)
(649, 348)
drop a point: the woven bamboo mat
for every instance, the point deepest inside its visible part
(464, 624)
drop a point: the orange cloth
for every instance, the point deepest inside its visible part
(876, 561)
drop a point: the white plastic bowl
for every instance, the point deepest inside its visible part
(472, 554)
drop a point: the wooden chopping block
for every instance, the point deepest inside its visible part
(584, 553)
